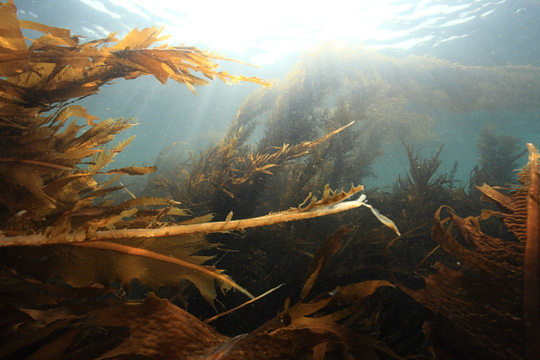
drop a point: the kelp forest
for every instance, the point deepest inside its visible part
(268, 246)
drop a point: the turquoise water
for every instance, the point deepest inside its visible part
(467, 32)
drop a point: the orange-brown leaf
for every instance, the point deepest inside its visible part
(12, 37)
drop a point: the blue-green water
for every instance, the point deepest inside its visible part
(467, 32)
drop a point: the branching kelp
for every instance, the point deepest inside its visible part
(40, 153)
(224, 177)
(498, 154)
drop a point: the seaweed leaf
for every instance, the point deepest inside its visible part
(12, 37)
(326, 251)
(132, 170)
(531, 262)
(203, 273)
(144, 201)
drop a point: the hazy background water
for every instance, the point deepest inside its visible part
(274, 35)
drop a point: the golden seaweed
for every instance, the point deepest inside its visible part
(531, 269)
(55, 68)
(158, 329)
(46, 187)
(228, 173)
(155, 328)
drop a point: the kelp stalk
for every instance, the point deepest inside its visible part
(531, 270)
(330, 204)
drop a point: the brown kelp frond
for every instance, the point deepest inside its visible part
(42, 155)
(489, 256)
(531, 269)
(331, 203)
(274, 157)
(168, 332)
(285, 335)
(328, 334)
(132, 170)
(203, 277)
(56, 67)
(512, 205)
(326, 251)
(156, 328)
(460, 298)
(168, 262)
(40, 163)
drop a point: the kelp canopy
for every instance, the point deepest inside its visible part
(391, 100)
(52, 196)
(67, 298)
(47, 197)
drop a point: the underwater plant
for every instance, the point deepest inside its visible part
(158, 329)
(390, 99)
(462, 305)
(425, 187)
(74, 255)
(224, 177)
(40, 153)
(49, 161)
(498, 154)
(52, 197)
(327, 90)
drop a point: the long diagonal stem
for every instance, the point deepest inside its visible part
(324, 207)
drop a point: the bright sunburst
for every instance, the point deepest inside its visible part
(274, 29)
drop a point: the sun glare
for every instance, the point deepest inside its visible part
(270, 30)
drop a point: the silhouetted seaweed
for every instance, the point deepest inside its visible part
(498, 155)
(425, 187)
